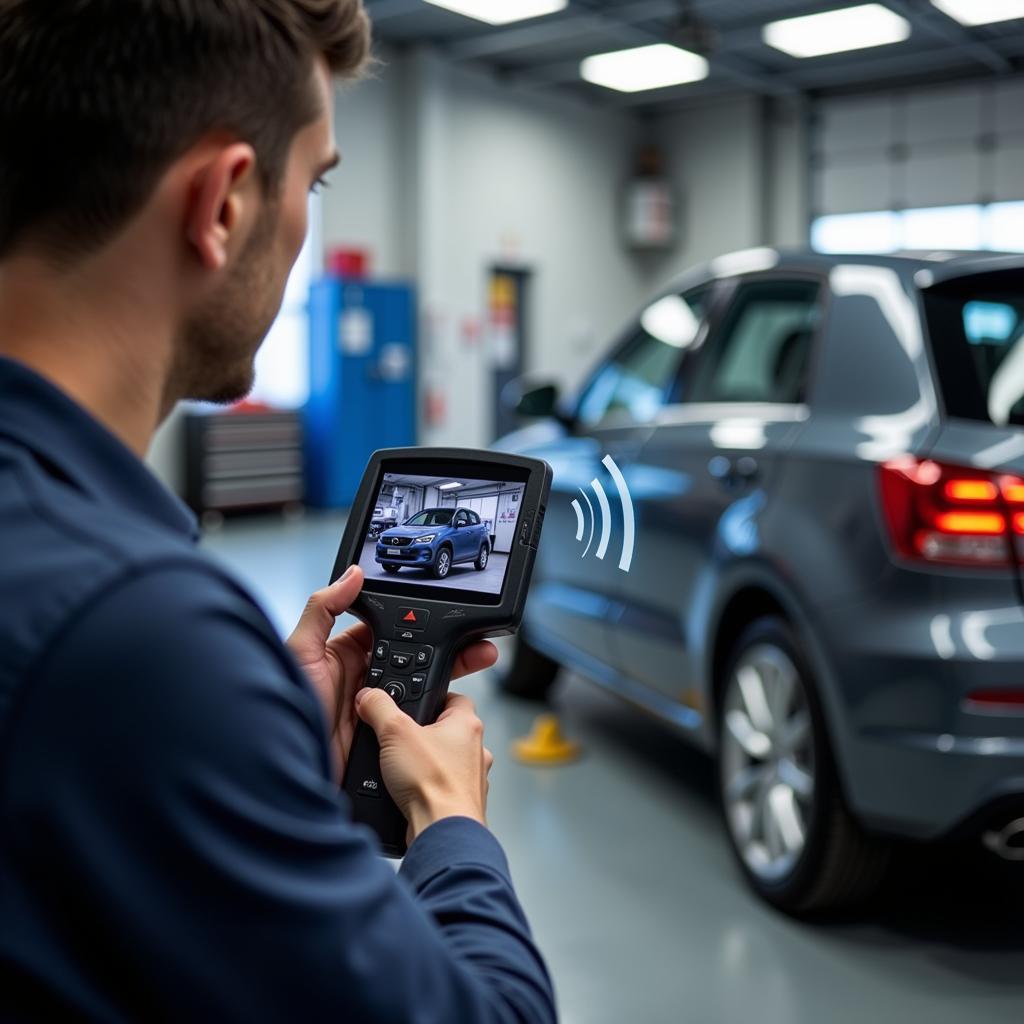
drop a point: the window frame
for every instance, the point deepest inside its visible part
(620, 419)
(713, 338)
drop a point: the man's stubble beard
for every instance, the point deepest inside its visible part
(217, 348)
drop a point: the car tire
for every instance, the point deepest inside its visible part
(481, 559)
(530, 675)
(795, 841)
(442, 564)
(391, 568)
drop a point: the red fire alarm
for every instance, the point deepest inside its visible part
(348, 263)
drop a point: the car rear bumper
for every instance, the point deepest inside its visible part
(915, 755)
(929, 785)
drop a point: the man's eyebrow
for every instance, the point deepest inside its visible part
(329, 164)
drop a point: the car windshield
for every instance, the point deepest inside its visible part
(432, 517)
(976, 325)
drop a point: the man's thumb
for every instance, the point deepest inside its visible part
(377, 709)
(321, 610)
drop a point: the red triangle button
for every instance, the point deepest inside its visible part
(410, 616)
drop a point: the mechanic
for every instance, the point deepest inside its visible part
(173, 843)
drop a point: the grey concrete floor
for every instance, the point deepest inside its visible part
(625, 874)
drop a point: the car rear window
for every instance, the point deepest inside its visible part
(976, 326)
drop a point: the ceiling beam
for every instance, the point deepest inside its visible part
(884, 69)
(574, 22)
(932, 21)
(381, 11)
(626, 33)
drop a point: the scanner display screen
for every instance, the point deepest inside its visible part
(442, 531)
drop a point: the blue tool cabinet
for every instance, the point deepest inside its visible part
(362, 382)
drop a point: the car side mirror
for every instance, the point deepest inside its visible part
(530, 401)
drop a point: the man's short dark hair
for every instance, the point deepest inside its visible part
(99, 97)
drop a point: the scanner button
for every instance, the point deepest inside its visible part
(416, 683)
(423, 656)
(380, 650)
(401, 660)
(526, 526)
(395, 690)
(412, 618)
(374, 676)
(370, 787)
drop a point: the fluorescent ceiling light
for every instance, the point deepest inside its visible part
(981, 12)
(644, 67)
(448, 487)
(501, 12)
(852, 28)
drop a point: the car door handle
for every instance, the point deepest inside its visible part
(734, 473)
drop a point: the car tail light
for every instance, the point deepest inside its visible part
(952, 515)
(995, 700)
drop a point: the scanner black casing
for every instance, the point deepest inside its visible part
(457, 617)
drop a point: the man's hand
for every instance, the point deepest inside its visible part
(431, 771)
(336, 666)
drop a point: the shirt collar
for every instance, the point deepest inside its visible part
(42, 418)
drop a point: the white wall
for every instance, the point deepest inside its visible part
(739, 169)
(361, 207)
(541, 185)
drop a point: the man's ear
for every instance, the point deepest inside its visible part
(217, 202)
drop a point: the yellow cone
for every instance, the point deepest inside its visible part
(545, 744)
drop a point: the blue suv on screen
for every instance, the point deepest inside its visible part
(435, 540)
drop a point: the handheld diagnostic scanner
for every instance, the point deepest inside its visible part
(450, 564)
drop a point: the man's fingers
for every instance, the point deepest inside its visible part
(488, 759)
(475, 658)
(457, 703)
(378, 710)
(323, 607)
(358, 637)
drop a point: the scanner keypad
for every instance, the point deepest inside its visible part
(399, 659)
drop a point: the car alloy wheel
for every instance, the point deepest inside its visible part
(444, 563)
(483, 558)
(768, 763)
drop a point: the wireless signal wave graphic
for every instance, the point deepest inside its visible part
(586, 521)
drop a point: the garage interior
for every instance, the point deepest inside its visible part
(520, 215)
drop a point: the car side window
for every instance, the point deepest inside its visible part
(460, 519)
(762, 352)
(633, 384)
(474, 519)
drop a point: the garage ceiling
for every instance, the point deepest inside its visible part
(544, 53)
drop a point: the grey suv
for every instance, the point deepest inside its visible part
(825, 457)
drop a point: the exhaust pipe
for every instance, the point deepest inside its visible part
(1008, 842)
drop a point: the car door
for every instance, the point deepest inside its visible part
(574, 598)
(704, 473)
(462, 538)
(477, 533)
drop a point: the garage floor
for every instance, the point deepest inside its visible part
(625, 874)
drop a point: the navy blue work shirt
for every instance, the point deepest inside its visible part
(172, 843)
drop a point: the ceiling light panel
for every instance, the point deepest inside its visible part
(981, 12)
(501, 12)
(644, 67)
(852, 28)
